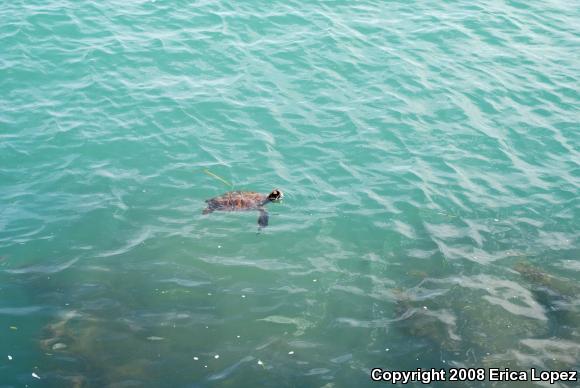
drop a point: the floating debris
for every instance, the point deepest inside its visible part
(217, 177)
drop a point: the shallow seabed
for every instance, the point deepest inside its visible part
(429, 153)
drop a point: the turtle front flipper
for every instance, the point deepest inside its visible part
(263, 219)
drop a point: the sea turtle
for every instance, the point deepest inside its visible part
(236, 201)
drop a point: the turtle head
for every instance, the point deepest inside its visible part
(275, 196)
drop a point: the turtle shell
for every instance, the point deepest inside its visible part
(235, 201)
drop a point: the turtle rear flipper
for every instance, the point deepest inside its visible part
(263, 219)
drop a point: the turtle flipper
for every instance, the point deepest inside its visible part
(263, 219)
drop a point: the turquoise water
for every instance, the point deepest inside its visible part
(429, 153)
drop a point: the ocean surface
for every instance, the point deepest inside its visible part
(429, 153)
